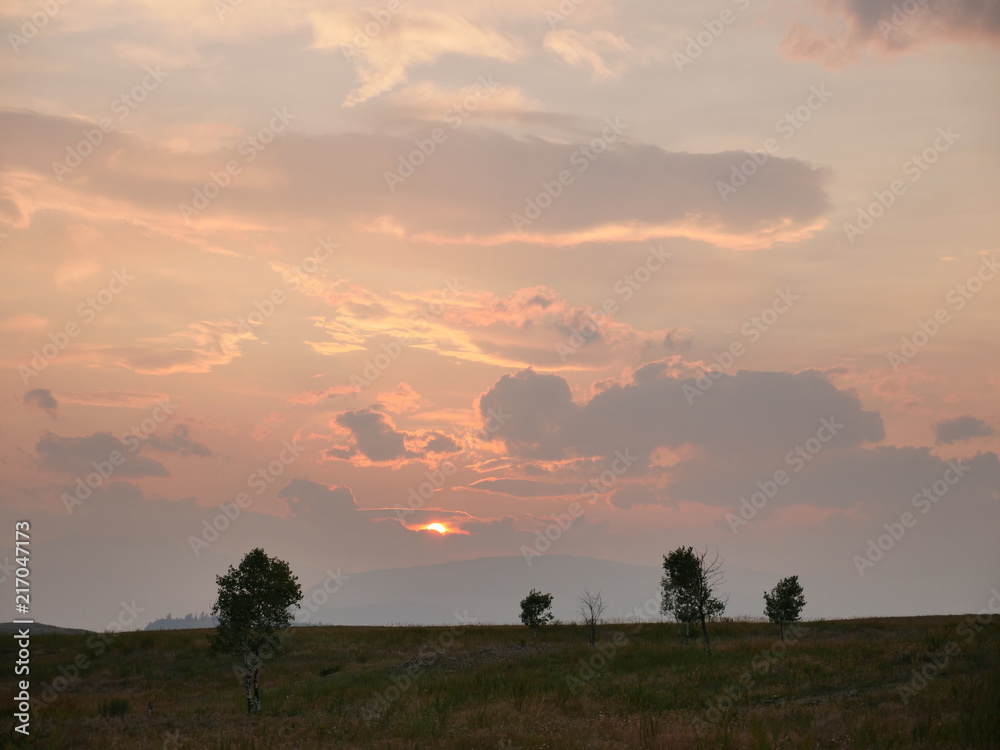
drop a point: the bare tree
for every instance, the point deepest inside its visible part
(591, 607)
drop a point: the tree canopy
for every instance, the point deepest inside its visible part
(536, 610)
(252, 610)
(784, 603)
(689, 583)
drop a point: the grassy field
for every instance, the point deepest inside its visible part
(835, 684)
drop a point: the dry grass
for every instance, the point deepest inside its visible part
(836, 686)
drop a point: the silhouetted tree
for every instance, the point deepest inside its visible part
(689, 583)
(784, 603)
(252, 609)
(536, 610)
(591, 607)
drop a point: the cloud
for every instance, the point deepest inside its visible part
(961, 428)
(307, 498)
(403, 399)
(528, 487)
(528, 326)
(440, 443)
(382, 60)
(374, 435)
(41, 398)
(632, 495)
(196, 349)
(180, 442)
(119, 399)
(78, 455)
(470, 192)
(605, 55)
(890, 27)
(747, 416)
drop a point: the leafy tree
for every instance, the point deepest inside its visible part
(689, 583)
(591, 607)
(785, 602)
(536, 610)
(252, 611)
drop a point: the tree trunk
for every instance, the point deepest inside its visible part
(781, 626)
(246, 681)
(256, 687)
(704, 630)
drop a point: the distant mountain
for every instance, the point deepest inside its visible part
(489, 589)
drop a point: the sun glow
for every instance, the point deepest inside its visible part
(440, 528)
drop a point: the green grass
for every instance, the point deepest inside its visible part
(837, 685)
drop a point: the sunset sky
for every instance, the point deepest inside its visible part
(625, 263)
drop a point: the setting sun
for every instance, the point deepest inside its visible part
(438, 527)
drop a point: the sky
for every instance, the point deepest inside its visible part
(590, 278)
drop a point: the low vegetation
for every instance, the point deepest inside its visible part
(832, 684)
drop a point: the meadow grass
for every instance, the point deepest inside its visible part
(835, 684)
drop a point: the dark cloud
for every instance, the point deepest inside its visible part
(632, 495)
(468, 191)
(374, 435)
(749, 416)
(891, 26)
(179, 441)
(305, 497)
(961, 428)
(528, 487)
(41, 398)
(82, 455)
(441, 443)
